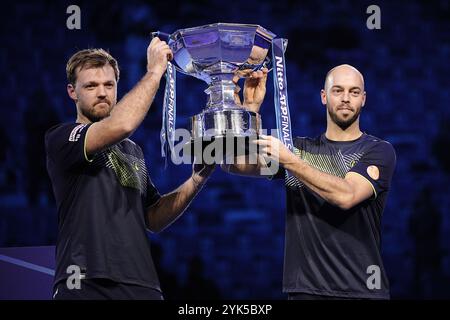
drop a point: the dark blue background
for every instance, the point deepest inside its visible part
(229, 243)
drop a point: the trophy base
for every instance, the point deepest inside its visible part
(221, 135)
(233, 121)
(225, 149)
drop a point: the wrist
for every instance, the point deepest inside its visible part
(292, 161)
(198, 180)
(154, 74)
(252, 107)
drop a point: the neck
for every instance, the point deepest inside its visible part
(336, 133)
(81, 118)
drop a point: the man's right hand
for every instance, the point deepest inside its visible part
(158, 53)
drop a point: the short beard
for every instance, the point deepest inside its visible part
(90, 113)
(92, 117)
(343, 124)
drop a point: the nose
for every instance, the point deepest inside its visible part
(346, 97)
(101, 92)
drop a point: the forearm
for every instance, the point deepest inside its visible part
(335, 190)
(172, 205)
(132, 109)
(258, 167)
(241, 169)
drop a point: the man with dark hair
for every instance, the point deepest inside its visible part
(336, 194)
(105, 199)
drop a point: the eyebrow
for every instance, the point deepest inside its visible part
(90, 83)
(96, 83)
(341, 87)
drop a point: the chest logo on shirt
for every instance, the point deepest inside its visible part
(130, 171)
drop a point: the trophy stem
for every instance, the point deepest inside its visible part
(221, 92)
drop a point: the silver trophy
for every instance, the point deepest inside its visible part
(216, 53)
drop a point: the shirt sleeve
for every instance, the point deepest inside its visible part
(382, 156)
(152, 196)
(65, 144)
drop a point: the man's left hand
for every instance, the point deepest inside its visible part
(274, 149)
(201, 172)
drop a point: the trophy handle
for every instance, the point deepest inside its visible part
(268, 61)
(166, 37)
(162, 35)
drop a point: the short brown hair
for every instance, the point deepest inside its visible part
(87, 59)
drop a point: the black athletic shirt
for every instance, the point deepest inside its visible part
(329, 251)
(101, 204)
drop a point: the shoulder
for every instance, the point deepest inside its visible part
(376, 143)
(55, 128)
(377, 148)
(70, 127)
(303, 143)
(306, 140)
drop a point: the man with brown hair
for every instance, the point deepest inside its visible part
(105, 199)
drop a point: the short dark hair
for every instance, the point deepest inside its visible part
(87, 59)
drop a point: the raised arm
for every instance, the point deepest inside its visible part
(129, 112)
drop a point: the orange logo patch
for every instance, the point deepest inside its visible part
(373, 172)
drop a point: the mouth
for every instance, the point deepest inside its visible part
(345, 109)
(104, 104)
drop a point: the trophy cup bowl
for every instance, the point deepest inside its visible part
(216, 53)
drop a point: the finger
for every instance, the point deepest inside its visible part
(266, 151)
(237, 99)
(262, 80)
(155, 40)
(262, 142)
(272, 139)
(169, 54)
(262, 83)
(256, 74)
(161, 45)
